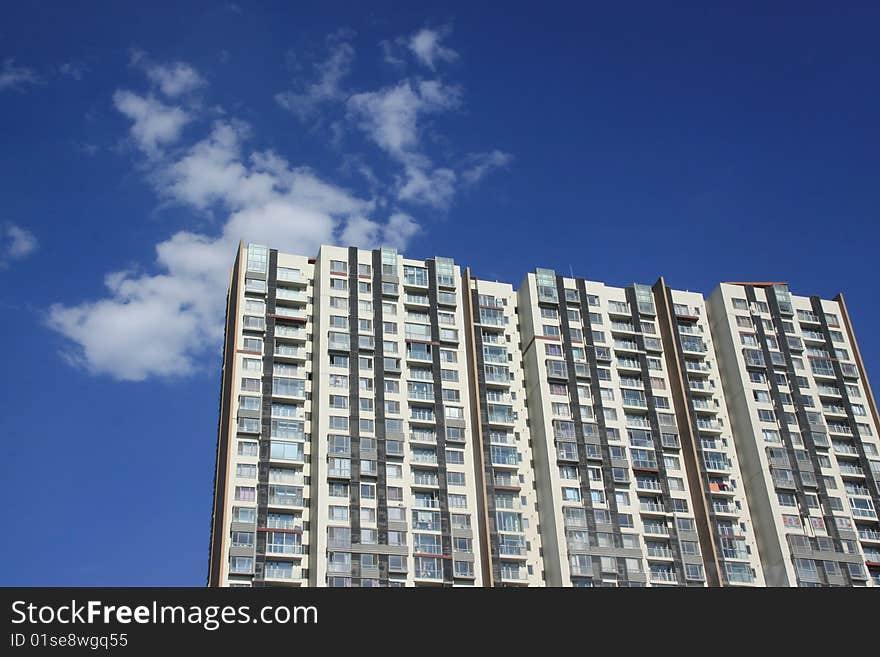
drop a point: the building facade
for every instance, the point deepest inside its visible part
(806, 428)
(386, 421)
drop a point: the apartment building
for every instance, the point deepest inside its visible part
(806, 429)
(394, 499)
(505, 473)
(614, 431)
(260, 530)
(387, 421)
(345, 455)
(710, 458)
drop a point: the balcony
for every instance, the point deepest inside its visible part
(288, 353)
(848, 470)
(501, 418)
(505, 456)
(709, 425)
(283, 295)
(419, 356)
(698, 385)
(507, 480)
(581, 570)
(628, 364)
(415, 300)
(697, 366)
(718, 464)
(721, 488)
(285, 500)
(658, 575)
(659, 552)
(423, 437)
(513, 574)
(647, 484)
(431, 573)
(285, 332)
(426, 502)
(297, 314)
(652, 507)
(705, 405)
(844, 448)
(429, 479)
(623, 327)
(831, 409)
(424, 459)
(870, 535)
(624, 345)
(724, 508)
(422, 416)
(294, 276)
(279, 572)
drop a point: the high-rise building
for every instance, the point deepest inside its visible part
(386, 421)
(806, 429)
(505, 475)
(638, 481)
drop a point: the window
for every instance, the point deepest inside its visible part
(244, 565)
(248, 448)
(246, 470)
(244, 514)
(455, 478)
(245, 493)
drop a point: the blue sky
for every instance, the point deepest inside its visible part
(139, 144)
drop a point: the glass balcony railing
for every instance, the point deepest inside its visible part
(284, 351)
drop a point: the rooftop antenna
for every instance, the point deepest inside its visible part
(571, 271)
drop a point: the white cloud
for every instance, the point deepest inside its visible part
(480, 164)
(330, 74)
(16, 243)
(390, 118)
(162, 324)
(389, 55)
(425, 45)
(175, 79)
(16, 77)
(73, 69)
(430, 187)
(367, 234)
(155, 123)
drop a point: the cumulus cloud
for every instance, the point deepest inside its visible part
(161, 324)
(164, 318)
(172, 78)
(327, 87)
(175, 79)
(155, 123)
(16, 243)
(390, 118)
(480, 164)
(17, 77)
(427, 47)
